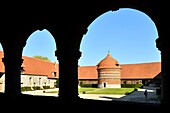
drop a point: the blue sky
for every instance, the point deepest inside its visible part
(128, 34)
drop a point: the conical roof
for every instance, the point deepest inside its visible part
(108, 62)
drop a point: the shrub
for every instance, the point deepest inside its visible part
(131, 85)
(26, 88)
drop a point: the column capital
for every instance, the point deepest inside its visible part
(159, 44)
(163, 46)
(67, 54)
(7, 61)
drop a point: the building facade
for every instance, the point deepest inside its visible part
(34, 73)
(108, 73)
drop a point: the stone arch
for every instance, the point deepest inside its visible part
(102, 8)
(46, 34)
(109, 13)
(78, 20)
(39, 43)
(149, 10)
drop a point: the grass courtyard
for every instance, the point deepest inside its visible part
(83, 90)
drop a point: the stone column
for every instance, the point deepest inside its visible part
(12, 64)
(165, 72)
(68, 74)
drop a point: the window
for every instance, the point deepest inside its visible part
(55, 74)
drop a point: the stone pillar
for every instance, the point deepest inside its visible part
(68, 74)
(12, 64)
(165, 72)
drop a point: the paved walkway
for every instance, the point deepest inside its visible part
(136, 96)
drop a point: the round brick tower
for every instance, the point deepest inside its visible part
(109, 73)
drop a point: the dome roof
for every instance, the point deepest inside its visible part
(108, 62)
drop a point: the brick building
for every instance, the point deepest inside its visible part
(107, 73)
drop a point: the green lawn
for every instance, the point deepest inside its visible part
(102, 90)
(107, 90)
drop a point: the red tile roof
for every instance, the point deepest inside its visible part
(87, 72)
(108, 62)
(34, 66)
(140, 71)
(128, 71)
(39, 67)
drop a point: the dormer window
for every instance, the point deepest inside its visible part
(117, 64)
(55, 74)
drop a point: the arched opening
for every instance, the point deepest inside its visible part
(70, 26)
(130, 36)
(40, 65)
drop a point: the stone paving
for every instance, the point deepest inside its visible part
(138, 96)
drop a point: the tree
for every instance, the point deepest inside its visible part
(41, 57)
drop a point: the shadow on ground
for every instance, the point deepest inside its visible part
(32, 103)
